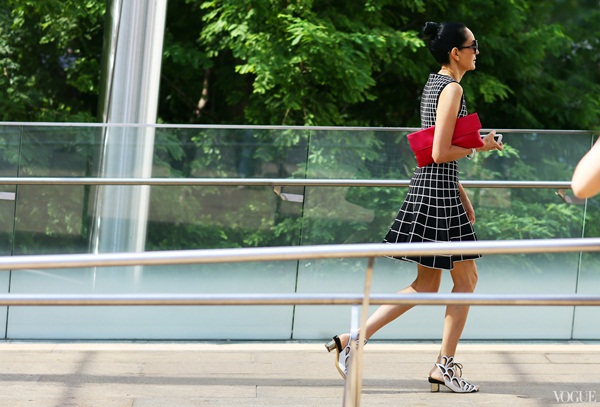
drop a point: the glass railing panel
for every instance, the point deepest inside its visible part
(587, 319)
(54, 219)
(9, 160)
(10, 138)
(232, 216)
(194, 217)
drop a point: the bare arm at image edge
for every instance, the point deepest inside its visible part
(586, 177)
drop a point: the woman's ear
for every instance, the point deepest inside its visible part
(454, 54)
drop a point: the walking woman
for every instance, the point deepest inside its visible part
(436, 208)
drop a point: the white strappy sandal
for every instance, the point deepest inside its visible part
(342, 355)
(452, 374)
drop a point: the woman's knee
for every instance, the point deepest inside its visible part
(465, 276)
(428, 280)
(473, 277)
(427, 286)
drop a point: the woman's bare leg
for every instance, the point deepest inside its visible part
(428, 280)
(464, 276)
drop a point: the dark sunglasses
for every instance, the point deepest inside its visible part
(474, 46)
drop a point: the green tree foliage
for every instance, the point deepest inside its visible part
(49, 59)
(363, 63)
(312, 61)
(307, 63)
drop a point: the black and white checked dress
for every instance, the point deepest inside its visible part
(432, 210)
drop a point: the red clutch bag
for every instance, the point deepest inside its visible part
(466, 134)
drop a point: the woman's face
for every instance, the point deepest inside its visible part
(468, 51)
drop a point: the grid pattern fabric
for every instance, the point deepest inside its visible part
(429, 99)
(432, 210)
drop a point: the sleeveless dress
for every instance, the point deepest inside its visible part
(432, 210)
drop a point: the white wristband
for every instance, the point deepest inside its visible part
(473, 151)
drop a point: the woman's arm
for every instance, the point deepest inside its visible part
(586, 177)
(447, 111)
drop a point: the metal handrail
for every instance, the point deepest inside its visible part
(296, 299)
(282, 253)
(209, 256)
(264, 127)
(266, 182)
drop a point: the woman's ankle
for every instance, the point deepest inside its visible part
(345, 339)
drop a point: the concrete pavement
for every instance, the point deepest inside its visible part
(288, 374)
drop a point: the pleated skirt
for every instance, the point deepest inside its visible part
(433, 212)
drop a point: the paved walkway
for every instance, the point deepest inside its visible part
(287, 374)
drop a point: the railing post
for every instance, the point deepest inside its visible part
(353, 386)
(349, 399)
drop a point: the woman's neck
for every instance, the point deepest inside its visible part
(451, 72)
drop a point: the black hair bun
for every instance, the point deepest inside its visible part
(430, 29)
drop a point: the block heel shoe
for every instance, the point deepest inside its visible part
(342, 355)
(452, 374)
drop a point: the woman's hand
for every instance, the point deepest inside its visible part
(468, 208)
(490, 144)
(464, 198)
